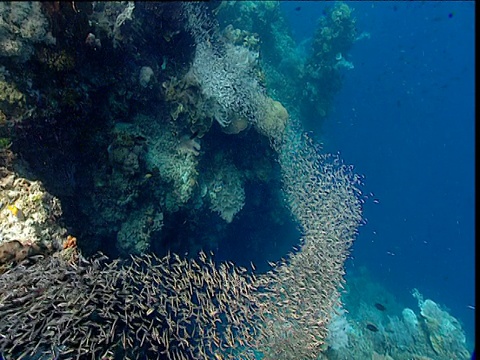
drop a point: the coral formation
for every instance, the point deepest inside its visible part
(28, 214)
(335, 35)
(9, 93)
(144, 128)
(173, 165)
(104, 308)
(110, 17)
(273, 121)
(188, 104)
(444, 331)
(225, 72)
(226, 193)
(145, 76)
(319, 62)
(126, 151)
(228, 80)
(58, 61)
(22, 25)
(134, 235)
(404, 334)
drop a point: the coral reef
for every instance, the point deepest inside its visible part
(228, 80)
(390, 332)
(319, 62)
(226, 193)
(109, 18)
(187, 104)
(144, 118)
(29, 217)
(167, 158)
(28, 214)
(22, 25)
(227, 73)
(273, 121)
(335, 35)
(444, 331)
(103, 308)
(134, 236)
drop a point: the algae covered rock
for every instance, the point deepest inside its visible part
(28, 218)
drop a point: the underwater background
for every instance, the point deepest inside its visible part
(237, 180)
(405, 118)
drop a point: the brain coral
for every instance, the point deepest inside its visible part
(273, 120)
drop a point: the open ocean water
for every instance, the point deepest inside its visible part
(405, 118)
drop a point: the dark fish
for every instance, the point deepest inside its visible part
(140, 138)
(194, 135)
(380, 307)
(372, 327)
(298, 8)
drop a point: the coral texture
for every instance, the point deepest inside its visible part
(28, 214)
(22, 24)
(226, 72)
(226, 192)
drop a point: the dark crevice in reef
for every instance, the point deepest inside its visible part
(92, 114)
(63, 153)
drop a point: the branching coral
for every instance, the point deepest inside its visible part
(225, 72)
(187, 103)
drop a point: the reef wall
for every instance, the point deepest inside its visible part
(150, 124)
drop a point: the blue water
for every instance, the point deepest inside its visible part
(405, 118)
